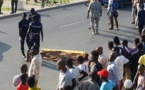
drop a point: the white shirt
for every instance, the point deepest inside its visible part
(138, 8)
(76, 72)
(109, 2)
(120, 61)
(35, 66)
(103, 60)
(17, 80)
(65, 78)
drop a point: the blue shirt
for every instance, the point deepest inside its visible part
(108, 85)
(112, 7)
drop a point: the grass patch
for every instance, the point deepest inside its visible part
(5, 8)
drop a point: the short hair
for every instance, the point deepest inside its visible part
(110, 44)
(24, 77)
(31, 81)
(23, 66)
(136, 41)
(67, 87)
(125, 42)
(116, 40)
(80, 59)
(69, 61)
(95, 54)
(32, 10)
(24, 14)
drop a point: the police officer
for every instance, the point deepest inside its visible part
(23, 28)
(35, 29)
(32, 13)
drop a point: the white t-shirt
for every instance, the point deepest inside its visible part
(120, 61)
(103, 60)
(17, 80)
(35, 66)
(65, 79)
(76, 72)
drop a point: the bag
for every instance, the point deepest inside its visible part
(115, 13)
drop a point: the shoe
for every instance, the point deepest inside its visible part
(1, 13)
(12, 13)
(133, 23)
(93, 33)
(25, 59)
(137, 27)
(89, 28)
(110, 28)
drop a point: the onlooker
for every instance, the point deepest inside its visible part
(23, 85)
(120, 61)
(1, 3)
(14, 6)
(67, 88)
(135, 41)
(79, 74)
(110, 45)
(17, 79)
(65, 77)
(141, 78)
(35, 66)
(102, 57)
(114, 14)
(43, 3)
(125, 44)
(134, 2)
(82, 67)
(134, 59)
(90, 84)
(96, 12)
(141, 19)
(128, 84)
(31, 83)
(113, 68)
(106, 84)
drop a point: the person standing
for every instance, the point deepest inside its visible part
(114, 14)
(35, 65)
(35, 28)
(134, 2)
(14, 4)
(31, 15)
(1, 3)
(23, 28)
(96, 12)
(17, 79)
(65, 77)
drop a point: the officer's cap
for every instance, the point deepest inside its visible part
(32, 10)
(24, 14)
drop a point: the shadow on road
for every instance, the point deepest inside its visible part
(49, 65)
(3, 32)
(3, 48)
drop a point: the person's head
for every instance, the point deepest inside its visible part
(116, 40)
(69, 62)
(142, 7)
(136, 41)
(35, 50)
(141, 69)
(125, 43)
(35, 17)
(24, 78)
(24, 15)
(24, 68)
(32, 11)
(110, 45)
(128, 84)
(143, 38)
(140, 46)
(100, 50)
(94, 56)
(94, 75)
(61, 65)
(116, 50)
(80, 59)
(103, 74)
(31, 81)
(112, 56)
(67, 87)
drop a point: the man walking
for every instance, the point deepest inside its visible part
(1, 3)
(96, 12)
(14, 6)
(23, 28)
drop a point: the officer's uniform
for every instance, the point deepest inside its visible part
(30, 18)
(23, 27)
(35, 29)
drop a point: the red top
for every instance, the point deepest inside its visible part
(22, 87)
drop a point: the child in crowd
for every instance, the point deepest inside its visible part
(31, 83)
(23, 85)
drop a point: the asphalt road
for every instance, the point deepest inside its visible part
(64, 28)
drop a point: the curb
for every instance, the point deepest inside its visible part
(45, 9)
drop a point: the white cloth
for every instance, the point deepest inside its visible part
(65, 78)
(120, 61)
(138, 8)
(17, 80)
(35, 66)
(76, 72)
(103, 60)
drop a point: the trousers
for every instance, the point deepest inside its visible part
(14, 6)
(95, 24)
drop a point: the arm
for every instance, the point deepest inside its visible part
(83, 75)
(74, 83)
(88, 11)
(20, 29)
(100, 10)
(42, 33)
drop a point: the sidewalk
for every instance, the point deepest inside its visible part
(32, 4)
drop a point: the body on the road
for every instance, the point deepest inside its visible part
(96, 12)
